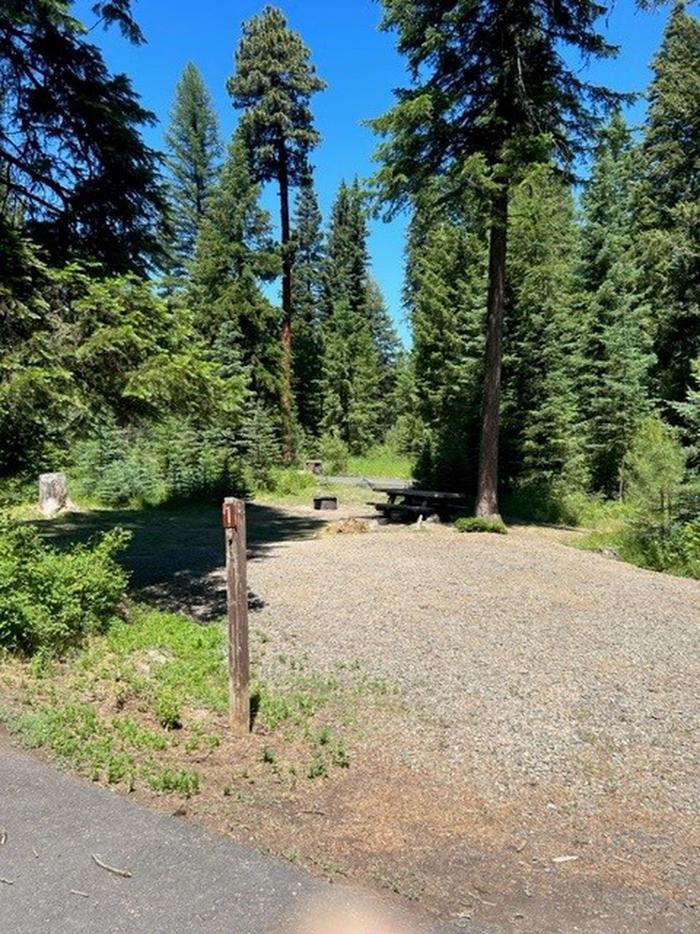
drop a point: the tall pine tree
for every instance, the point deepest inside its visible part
(492, 92)
(446, 269)
(388, 348)
(407, 432)
(543, 340)
(193, 145)
(346, 270)
(351, 378)
(71, 152)
(272, 84)
(689, 413)
(669, 211)
(351, 382)
(306, 301)
(235, 254)
(618, 352)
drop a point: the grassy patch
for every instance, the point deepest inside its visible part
(185, 662)
(674, 549)
(381, 462)
(144, 705)
(112, 750)
(286, 482)
(481, 524)
(291, 703)
(182, 782)
(347, 494)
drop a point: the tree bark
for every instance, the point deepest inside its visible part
(487, 491)
(286, 387)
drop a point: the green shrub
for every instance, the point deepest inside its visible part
(260, 444)
(661, 546)
(51, 599)
(334, 453)
(654, 469)
(317, 768)
(381, 461)
(539, 503)
(661, 527)
(340, 755)
(17, 491)
(119, 468)
(406, 436)
(287, 481)
(174, 781)
(174, 459)
(480, 524)
(169, 709)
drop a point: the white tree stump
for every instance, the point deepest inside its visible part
(53, 492)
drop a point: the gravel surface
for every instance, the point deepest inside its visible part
(521, 717)
(518, 658)
(547, 716)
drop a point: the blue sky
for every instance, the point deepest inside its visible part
(358, 62)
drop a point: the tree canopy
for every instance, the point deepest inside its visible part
(74, 163)
(492, 93)
(553, 361)
(193, 149)
(272, 84)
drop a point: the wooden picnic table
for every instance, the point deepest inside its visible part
(405, 501)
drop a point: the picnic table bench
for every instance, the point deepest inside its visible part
(406, 502)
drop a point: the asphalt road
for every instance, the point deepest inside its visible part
(183, 879)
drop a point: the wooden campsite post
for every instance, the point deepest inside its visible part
(237, 598)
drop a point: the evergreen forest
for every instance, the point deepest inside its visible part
(166, 337)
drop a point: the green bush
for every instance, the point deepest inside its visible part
(662, 531)
(334, 453)
(672, 547)
(118, 468)
(174, 459)
(17, 491)
(654, 469)
(481, 524)
(169, 709)
(260, 445)
(539, 503)
(51, 599)
(287, 481)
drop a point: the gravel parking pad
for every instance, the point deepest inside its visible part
(556, 690)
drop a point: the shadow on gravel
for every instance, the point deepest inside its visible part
(176, 554)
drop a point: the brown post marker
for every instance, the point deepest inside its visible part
(237, 597)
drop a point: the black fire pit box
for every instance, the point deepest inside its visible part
(325, 502)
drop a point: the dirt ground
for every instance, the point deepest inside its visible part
(526, 751)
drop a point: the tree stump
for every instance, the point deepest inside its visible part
(53, 492)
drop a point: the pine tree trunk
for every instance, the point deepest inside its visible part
(487, 491)
(286, 387)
